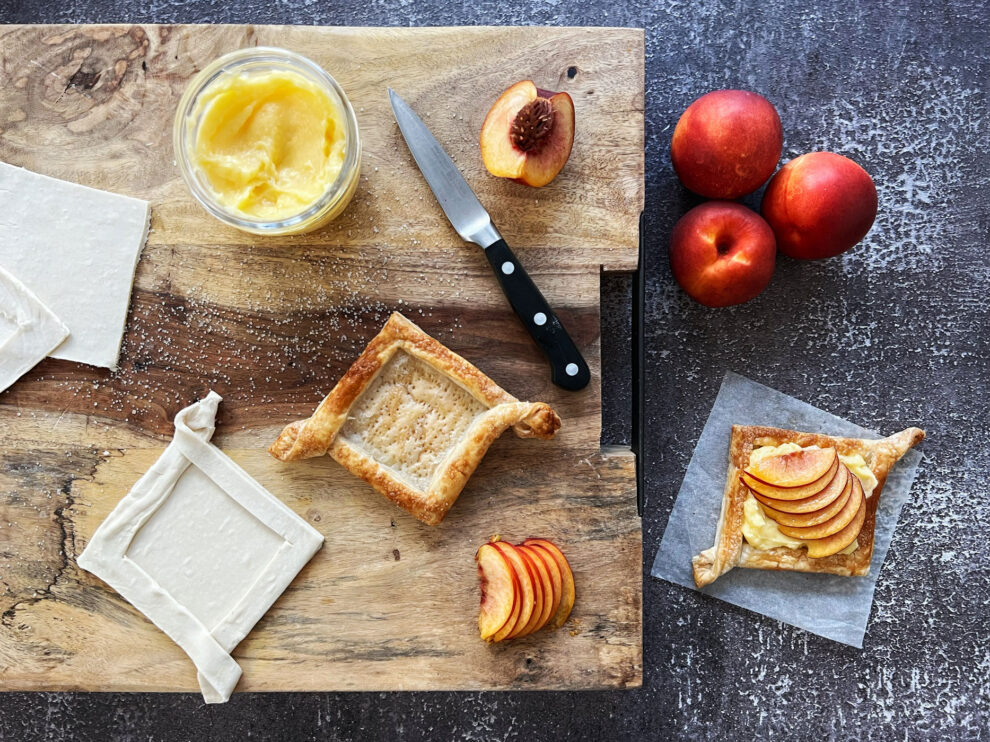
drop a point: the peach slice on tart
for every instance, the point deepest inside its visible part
(527, 593)
(498, 591)
(796, 469)
(813, 517)
(528, 133)
(545, 584)
(567, 580)
(842, 519)
(824, 497)
(799, 492)
(823, 547)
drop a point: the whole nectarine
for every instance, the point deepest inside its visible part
(722, 253)
(819, 205)
(727, 143)
(527, 134)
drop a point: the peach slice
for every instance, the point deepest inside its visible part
(556, 579)
(527, 134)
(527, 593)
(498, 588)
(535, 557)
(540, 596)
(504, 632)
(832, 491)
(834, 525)
(792, 493)
(813, 517)
(796, 469)
(567, 580)
(835, 543)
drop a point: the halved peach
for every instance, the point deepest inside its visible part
(545, 583)
(842, 519)
(498, 590)
(539, 596)
(527, 592)
(835, 543)
(527, 134)
(567, 580)
(812, 517)
(795, 469)
(792, 493)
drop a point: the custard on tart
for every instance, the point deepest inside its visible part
(801, 502)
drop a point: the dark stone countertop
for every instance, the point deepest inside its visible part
(894, 333)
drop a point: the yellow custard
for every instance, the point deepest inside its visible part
(760, 531)
(268, 144)
(857, 466)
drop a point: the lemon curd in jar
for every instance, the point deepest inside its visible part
(269, 143)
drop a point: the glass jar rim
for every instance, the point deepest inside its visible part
(227, 64)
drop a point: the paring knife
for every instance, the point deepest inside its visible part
(567, 368)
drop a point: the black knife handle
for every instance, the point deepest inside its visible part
(568, 369)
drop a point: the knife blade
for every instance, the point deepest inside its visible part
(472, 222)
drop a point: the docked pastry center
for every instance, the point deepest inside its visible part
(805, 497)
(410, 418)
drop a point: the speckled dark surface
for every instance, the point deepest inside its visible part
(894, 333)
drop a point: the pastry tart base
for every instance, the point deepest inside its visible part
(413, 419)
(731, 550)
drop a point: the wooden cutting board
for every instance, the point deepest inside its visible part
(272, 323)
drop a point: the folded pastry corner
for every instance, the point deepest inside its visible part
(413, 419)
(807, 520)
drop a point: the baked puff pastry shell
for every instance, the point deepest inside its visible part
(731, 550)
(413, 419)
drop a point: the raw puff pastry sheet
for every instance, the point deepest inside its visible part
(76, 248)
(29, 330)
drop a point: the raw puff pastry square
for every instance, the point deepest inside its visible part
(731, 550)
(201, 549)
(413, 419)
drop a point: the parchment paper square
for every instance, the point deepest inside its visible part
(828, 605)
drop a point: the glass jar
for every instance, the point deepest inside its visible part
(261, 60)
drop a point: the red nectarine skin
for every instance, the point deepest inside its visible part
(722, 253)
(727, 143)
(819, 205)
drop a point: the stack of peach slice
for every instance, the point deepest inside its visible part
(523, 588)
(812, 496)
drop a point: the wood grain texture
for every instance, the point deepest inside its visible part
(388, 603)
(272, 323)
